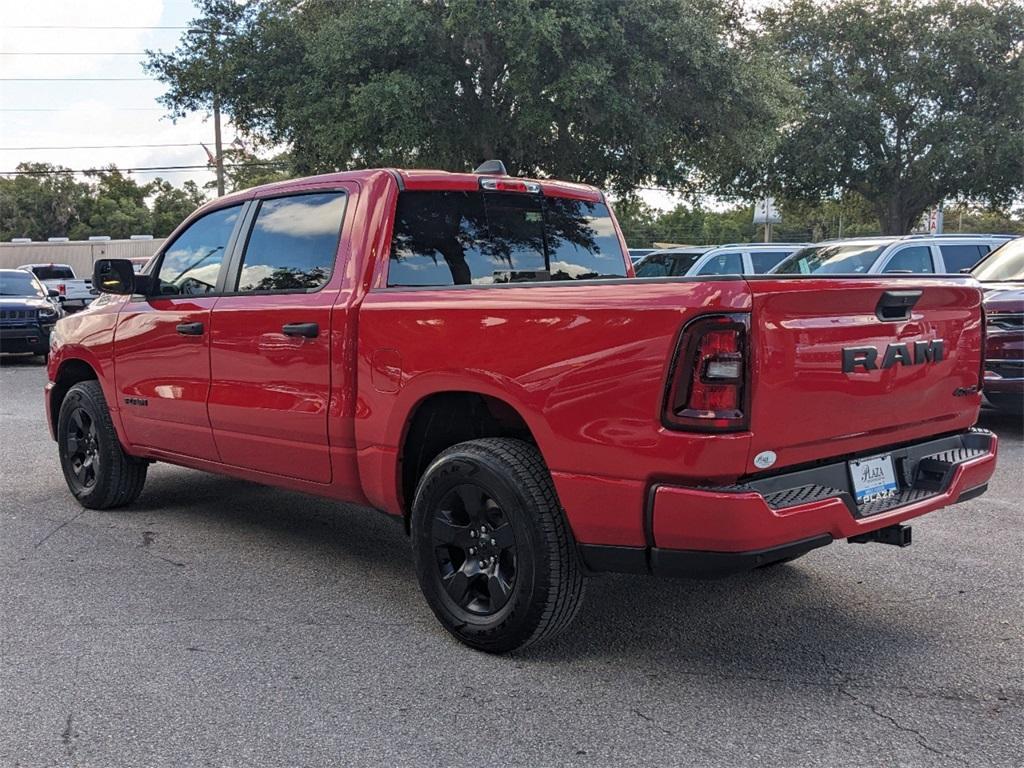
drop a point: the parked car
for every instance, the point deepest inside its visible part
(635, 254)
(74, 292)
(918, 254)
(1002, 275)
(464, 352)
(28, 311)
(732, 259)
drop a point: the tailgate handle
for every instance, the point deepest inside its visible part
(306, 330)
(896, 305)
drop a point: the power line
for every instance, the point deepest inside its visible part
(72, 53)
(81, 26)
(71, 79)
(66, 109)
(100, 146)
(143, 170)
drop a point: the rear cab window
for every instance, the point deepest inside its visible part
(446, 238)
(54, 272)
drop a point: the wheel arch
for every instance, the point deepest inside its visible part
(445, 418)
(70, 372)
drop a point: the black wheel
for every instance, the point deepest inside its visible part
(494, 555)
(98, 472)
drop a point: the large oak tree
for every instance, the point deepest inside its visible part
(903, 102)
(615, 93)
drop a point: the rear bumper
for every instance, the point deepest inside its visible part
(716, 531)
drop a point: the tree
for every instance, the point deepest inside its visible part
(902, 102)
(603, 91)
(42, 201)
(117, 207)
(171, 205)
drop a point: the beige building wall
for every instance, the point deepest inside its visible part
(79, 254)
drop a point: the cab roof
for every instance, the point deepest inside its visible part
(430, 180)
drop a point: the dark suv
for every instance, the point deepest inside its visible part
(27, 313)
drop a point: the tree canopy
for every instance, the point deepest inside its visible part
(48, 201)
(901, 102)
(617, 94)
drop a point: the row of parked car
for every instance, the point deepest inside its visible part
(917, 254)
(996, 260)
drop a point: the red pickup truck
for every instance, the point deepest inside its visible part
(472, 354)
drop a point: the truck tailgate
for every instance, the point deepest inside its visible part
(843, 365)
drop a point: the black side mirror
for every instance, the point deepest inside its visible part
(114, 276)
(53, 294)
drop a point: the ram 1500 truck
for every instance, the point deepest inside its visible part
(472, 354)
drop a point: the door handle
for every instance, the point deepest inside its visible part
(307, 330)
(190, 329)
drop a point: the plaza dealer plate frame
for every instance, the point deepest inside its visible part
(872, 478)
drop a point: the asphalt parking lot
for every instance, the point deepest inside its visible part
(218, 623)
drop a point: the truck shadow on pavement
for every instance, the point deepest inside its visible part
(804, 620)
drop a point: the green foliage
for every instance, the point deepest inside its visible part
(609, 92)
(905, 103)
(46, 201)
(171, 205)
(243, 169)
(40, 203)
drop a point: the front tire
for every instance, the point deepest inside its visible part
(98, 472)
(494, 555)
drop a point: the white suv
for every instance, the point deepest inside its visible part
(918, 254)
(731, 259)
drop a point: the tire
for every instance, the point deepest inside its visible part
(98, 472)
(523, 582)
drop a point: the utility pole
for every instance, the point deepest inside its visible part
(217, 144)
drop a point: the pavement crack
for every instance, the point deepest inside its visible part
(918, 736)
(68, 735)
(66, 522)
(653, 722)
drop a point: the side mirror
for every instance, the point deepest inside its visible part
(114, 276)
(53, 294)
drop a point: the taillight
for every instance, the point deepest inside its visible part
(509, 185)
(708, 387)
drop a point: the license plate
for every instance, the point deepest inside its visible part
(873, 479)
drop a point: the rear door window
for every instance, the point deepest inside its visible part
(958, 257)
(764, 261)
(729, 263)
(914, 258)
(293, 243)
(474, 238)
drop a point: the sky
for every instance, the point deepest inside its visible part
(80, 123)
(64, 112)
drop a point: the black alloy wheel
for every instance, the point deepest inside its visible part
(82, 449)
(494, 553)
(475, 550)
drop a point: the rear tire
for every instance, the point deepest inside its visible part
(98, 472)
(494, 555)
